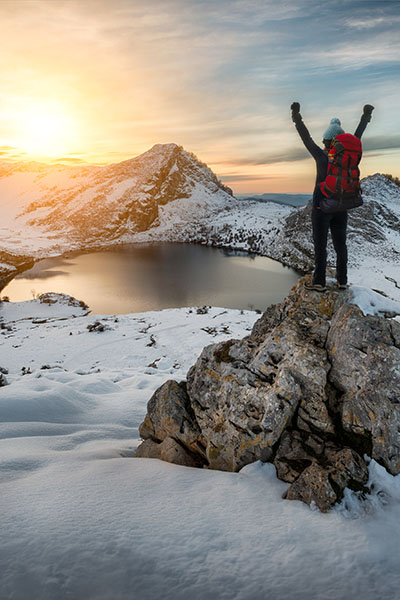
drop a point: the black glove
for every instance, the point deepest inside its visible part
(295, 107)
(367, 111)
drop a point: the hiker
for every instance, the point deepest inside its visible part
(323, 221)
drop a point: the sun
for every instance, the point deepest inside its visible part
(44, 130)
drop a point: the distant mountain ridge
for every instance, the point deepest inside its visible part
(295, 200)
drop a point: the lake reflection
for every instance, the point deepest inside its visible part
(137, 278)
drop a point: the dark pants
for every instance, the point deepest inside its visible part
(337, 223)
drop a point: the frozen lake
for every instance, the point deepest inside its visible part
(136, 278)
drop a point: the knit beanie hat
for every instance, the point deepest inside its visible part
(333, 129)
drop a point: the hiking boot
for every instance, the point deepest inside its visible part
(342, 286)
(315, 287)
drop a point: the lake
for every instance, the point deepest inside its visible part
(136, 278)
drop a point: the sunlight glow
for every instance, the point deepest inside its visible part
(44, 130)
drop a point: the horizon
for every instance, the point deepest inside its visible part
(217, 78)
(244, 192)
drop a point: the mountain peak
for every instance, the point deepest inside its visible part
(88, 203)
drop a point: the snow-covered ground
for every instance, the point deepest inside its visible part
(82, 519)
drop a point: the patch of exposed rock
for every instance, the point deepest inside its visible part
(107, 202)
(11, 265)
(314, 389)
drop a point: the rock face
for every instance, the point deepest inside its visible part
(98, 203)
(313, 389)
(11, 265)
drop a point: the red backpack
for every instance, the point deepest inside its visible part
(341, 187)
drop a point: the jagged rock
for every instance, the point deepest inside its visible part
(302, 390)
(169, 414)
(245, 394)
(349, 469)
(57, 298)
(148, 449)
(291, 457)
(170, 451)
(366, 369)
(313, 486)
(3, 380)
(12, 264)
(325, 485)
(173, 452)
(98, 326)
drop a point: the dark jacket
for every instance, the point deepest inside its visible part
(320, 155)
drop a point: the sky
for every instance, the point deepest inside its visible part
(101, 81)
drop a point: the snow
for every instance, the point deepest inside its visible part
(7, 267)
(83, 519)
(373, 303)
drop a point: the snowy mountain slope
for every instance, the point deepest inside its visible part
(373, 237)
(295, 200)
(50, 208)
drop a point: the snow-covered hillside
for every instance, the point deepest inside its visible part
(373, 237)
(284, 233)
(81, 518)
(166, 194)
(56, 207)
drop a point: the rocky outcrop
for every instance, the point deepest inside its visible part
(3, 373)
(314, 389)
(11, 265)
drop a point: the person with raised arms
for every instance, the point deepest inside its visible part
(338, 180)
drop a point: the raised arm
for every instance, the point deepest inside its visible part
(309, 143)
(365, 119)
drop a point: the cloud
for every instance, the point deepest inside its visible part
(11, 152)
(289, 155)
(244, 177)
(372, 22)
(382, 142)
(217, 77)
(379, 142)
(378, 49)
(68, 159)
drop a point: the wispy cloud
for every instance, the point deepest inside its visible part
(286, 155)
(382, 142)
(217, 77)
(379, 49)
(245, 177)
(68, 160)
(372, 22)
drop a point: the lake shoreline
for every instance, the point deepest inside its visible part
(30, 262)
(153, 275)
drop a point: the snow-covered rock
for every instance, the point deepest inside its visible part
(47, 306)
(59, 207)
(302, 391)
